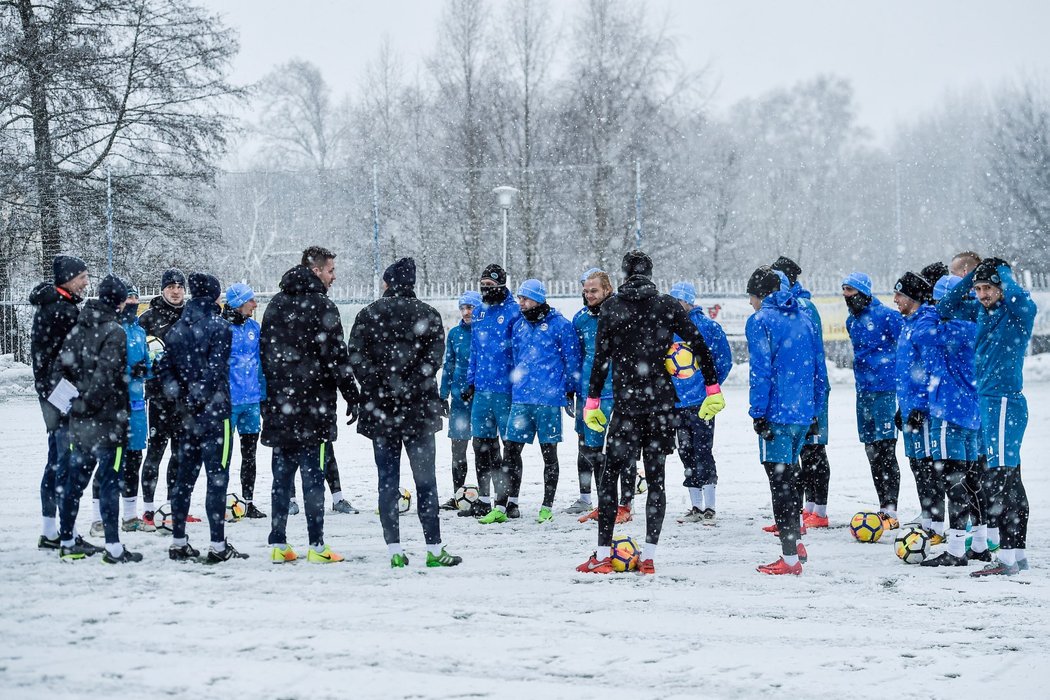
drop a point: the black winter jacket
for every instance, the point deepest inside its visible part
(157, 320)
(304, 361)
(94, 359)
(396, 348)
(56, 314)
(635, 328)
(195, 367)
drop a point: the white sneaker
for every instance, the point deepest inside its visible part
(580, 506)
(693, 515)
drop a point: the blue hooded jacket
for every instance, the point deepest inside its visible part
(874, 334)
(246, 377)
(788, 376)
(692, 392)
(457, 361)
(546, 360)
(950, 363)
(1003, 333)
(138, 354)
(917, 337)
(586, 324)
(960, 302)
(490, 349)
(196, 362)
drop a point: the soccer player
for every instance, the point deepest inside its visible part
(546, 370)
(695, 436)
(1004, 329)
(788, 386)
(453, 381)
(911, 295)
(488, 380)
(94, 359)
(395, 349)
(304, 361)
(816, 469)
(635, 329)
(954, 422)
(56, 313)
(873, 331)
(247, 385)
(195, 374)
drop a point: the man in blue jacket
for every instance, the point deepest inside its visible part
(873, 331)
(788, 381)
(488, 378)
(1004, 329)
(954, 423)
(695, 436)
(246, 384)
(816, 469)
(453, 382)
(194, 372)
(912, 294)
(544, 379)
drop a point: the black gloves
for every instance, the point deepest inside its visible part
(897, 420)
(570, 407)
(444, 408)
(814, 428)
(995, 262)
(139, 370)
(916, 420)
(762, 429)
(351, 412)
(467, 394)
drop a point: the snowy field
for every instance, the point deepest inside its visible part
(515, 620)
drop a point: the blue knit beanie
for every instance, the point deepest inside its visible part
(533, 289)
(684, 291)
(238, 295)
(944, 285)
(859, 281)
(470, 298)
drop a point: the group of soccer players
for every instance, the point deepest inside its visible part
(945, 370)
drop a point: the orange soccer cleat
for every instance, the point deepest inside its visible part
(594, 565)
(781, 568)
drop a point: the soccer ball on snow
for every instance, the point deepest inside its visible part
(866, 527)
(466, 496)
(625, 554)
(162, 518)
(680, 361)
(404, 502)
(235, 508)
(912, 545)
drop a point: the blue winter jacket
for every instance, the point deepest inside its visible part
(788, 375)
(1003, 333)
(457, 361)
(949, 361)
(196, 364)
(138, 355)
(803, 296)
(547, 360)
(490, 351)
(874, 336)
(960, 303)
(692, 392)
(246, 378)
(586, 324)
(917, 335)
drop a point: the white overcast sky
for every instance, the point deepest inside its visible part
(902, 56)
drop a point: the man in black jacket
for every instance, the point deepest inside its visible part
(195, 376)
(56, 314)
(636, 327)
(157, 320)
(396, 349)
(94, 359)
(304, 360)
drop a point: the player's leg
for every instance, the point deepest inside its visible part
(815, 464)
(688, 437)
(551, 473)
(216, 447)
(284, 463)
(72, 479)
(313, 463)
(387, 451)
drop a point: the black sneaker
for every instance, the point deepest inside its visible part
(450, 504)
(125, 557)
(81, 549)
(87, 546)
(478, 509)
(512, 510)
(47, 543)
(945, 559)
(184, 552)
(978, 556)
(226, 554)
(252, 512)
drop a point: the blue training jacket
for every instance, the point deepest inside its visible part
(874, 336)
(457, 360)
(692, 392)
(490, 350)
(949, 361)
(788, 377)
(246, 378)
(917, 335)
(586, 324)
(1003, 333)
(138, 352)
(195, 366)
(547, 360)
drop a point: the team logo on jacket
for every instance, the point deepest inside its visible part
(251, 335)
(870, 326)
(543, 326)
(499, 319)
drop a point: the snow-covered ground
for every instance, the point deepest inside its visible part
(515, 620)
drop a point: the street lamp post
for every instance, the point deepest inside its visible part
(506, 198)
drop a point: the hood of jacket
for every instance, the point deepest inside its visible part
(46, 293)
(637, 288)
(404, 291)
(199, 309)
(800, 292)
(95, 314)
(300, 280)
(783, 301)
